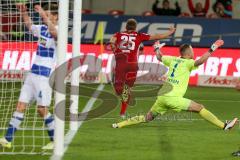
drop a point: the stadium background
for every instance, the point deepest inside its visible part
(112, 15)
(176, 138)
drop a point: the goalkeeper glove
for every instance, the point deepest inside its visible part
(216, 45)
(158, 45)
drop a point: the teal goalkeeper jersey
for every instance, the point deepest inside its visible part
(178, 74)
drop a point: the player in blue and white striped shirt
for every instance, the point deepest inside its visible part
(36, 86)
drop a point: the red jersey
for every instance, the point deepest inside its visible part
(128, 43)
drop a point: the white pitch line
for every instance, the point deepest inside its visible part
(157, 119)
(71, 133)
(206, 100)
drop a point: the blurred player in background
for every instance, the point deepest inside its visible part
(125, 46)
(36, 86)
(178, 77)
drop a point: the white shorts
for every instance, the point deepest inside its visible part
(36, 88)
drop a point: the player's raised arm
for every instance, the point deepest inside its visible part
(23, 12)
(46, 20)
(204, 57)
(157, 46)
(164, 35)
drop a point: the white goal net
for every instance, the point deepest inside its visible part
(17, 52)
(32, 134)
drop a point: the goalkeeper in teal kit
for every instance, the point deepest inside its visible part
(178, 77)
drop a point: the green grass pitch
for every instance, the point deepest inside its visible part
(175, 136)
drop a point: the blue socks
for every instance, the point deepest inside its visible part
(14, 124)
(49, 122)
(17, 119)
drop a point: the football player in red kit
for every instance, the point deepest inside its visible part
(125, 46)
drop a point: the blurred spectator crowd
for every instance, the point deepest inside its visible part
(197, 8)
(200, 8)
(221, 8)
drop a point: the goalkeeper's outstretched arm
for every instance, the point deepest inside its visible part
(205, 57)
(157, 46)
(23, 11)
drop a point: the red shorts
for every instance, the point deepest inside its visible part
(125, 73)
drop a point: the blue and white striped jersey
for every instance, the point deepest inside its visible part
(45, 59)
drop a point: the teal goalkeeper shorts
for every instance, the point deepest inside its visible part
(165, 103)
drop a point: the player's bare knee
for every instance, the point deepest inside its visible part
(149, 117)
(195, 107)
(42, 110)
(201, 107)
(21, 106)
(198, 107)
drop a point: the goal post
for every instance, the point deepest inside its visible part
(77, 18)
(62, 41)
(17, 52)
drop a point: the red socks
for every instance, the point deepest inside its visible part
(123, 108)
